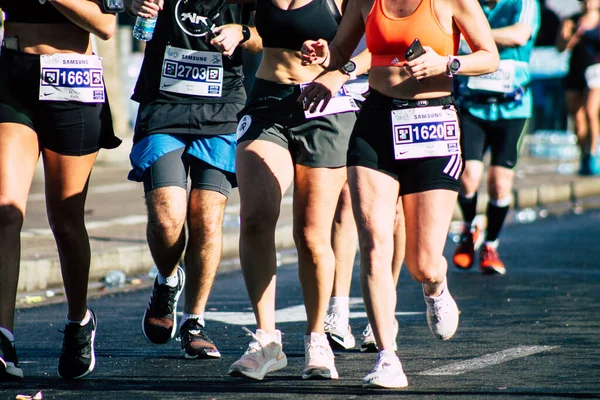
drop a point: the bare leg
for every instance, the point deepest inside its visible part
(576, 109)
(344, 239)
(19, 153)
(67, 179)
(165, 230)
(313, 218)
(592, 110)
(374, 199)
(264, 171)
(203, 254)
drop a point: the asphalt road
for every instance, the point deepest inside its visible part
(532, 334)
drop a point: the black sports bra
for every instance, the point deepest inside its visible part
(288, 29)
(31, 11)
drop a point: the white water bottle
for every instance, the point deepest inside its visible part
(143, 29)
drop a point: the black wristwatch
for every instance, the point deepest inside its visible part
(245, 34)
(350, 69)
(452, 67)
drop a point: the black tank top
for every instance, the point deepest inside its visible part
(288, 29)
(178, 26)
(31, 11)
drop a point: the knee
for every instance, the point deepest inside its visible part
(258, 222)
(66, 224)
(375, 252)
(11, 217)
(500, 189)
(311, 240)
(424, 268)
(166, 221)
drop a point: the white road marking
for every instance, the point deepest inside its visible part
(487, 360)
(288, 314)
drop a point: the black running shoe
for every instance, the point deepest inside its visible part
(78, 358)
(195, 343)
(160, 320)
(9, 363)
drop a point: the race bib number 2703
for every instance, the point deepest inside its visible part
(191, 72)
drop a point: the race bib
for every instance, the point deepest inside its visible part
(592, 76)
(425, 132)
(500, 81)
(71, 77)
(191, 72)
(340, 102)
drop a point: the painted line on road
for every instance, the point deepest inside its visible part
(487, 360)
(288, 314)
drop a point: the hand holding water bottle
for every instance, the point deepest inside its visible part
(147, 12)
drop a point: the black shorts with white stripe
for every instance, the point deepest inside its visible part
(371, 146)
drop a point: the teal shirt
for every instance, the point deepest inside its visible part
(506, 13)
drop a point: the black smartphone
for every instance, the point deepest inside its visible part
(415, 50)
(207, 26)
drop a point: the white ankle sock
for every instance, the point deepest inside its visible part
(186, 316)
(83, 322)
(342, 302)
(171, 281)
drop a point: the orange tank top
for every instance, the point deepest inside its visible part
(388, 38)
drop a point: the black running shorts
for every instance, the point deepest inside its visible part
(65, 127)
(273, 114)
(501, 137)
(371, 146)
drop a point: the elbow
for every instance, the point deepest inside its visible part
(494, 62)
(107, 31)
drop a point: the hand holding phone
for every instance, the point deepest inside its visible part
(415, 50)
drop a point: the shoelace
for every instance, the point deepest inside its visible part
(163, 301)
(76, 340)
(192, 329)
(331, 321)
(368, 331)
(489, 254)
(255, 346)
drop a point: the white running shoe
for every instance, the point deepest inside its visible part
(264, 355)
(338, 331)
(369, 345)
(319, 358)
(442, 314)
(387, 373)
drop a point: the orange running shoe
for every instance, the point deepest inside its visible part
(490, 261)
(470, 240)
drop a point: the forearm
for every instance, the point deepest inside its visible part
(88, 15)
(512, 36)
(478, 63)
(254, 44)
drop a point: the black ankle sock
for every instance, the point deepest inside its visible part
(495, 219)
(468, 207)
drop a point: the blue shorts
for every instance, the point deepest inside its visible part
(191, 154)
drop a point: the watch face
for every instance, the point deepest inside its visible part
(455, 65)
(349, 67)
